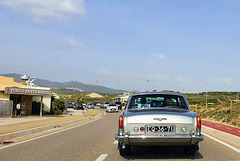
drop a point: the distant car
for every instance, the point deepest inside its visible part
(101, 105)
(112, 108)
(158, 119)
(90, 106)
(69, 105)
(105, 105)
(98, 104)
(79, 106)
(119, 104)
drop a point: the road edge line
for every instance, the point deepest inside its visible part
(219, 141)
(49, 134)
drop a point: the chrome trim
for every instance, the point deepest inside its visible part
(193, 141)
(126, 139)
(126, 136)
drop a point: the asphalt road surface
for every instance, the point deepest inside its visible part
(95, 140)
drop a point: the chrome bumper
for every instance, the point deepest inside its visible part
(175, 139)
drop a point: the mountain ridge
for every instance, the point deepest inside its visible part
(74, 86)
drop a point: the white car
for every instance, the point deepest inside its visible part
(112, 108)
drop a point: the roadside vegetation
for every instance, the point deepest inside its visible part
(84, 98)
(59, 106)
(221, 106)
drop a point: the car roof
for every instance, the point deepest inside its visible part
(149, 93)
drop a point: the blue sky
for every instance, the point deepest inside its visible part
(176, 45)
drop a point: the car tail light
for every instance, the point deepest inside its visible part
(198, 121)
(121, 122)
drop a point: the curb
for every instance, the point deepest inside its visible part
(43, 128)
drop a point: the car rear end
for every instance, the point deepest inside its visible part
(146, 125)
(160, 128)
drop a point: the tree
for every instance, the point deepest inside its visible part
(59, 104)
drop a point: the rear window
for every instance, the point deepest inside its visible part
(157, 101)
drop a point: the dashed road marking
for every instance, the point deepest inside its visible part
(218, 125)
(102, 157)
(228, 128)
(115, 142)
(208, 123)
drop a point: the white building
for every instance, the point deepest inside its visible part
(11, 93)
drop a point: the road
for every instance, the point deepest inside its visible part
(96, 139)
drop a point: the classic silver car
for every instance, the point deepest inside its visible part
(158, 119)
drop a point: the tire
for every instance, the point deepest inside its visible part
(191, 150)
(124, 152)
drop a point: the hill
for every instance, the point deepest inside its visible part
(68, 87)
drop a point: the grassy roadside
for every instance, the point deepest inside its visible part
(222, 107)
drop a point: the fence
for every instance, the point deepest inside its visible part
(227, 108)
(6, 108)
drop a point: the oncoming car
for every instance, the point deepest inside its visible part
(90, 106)
(112, 108)
(158, 119)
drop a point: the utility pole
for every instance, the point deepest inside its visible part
(206, 97)
(231, 107)
(150, 85)
(117, 84)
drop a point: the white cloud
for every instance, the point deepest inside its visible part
(68, 43)
(104, 72)
(161, 77)
(181, 79)
(43, 10)
(228, 81)
(159, 56)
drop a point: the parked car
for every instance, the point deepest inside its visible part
(105, 104)
(101, 105)
(159, 119)
(112, 108)
(90, 106)
(69, 105)
(119, 104)
(79, 106)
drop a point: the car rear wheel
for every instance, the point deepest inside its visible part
(124, 152)
(191, 150)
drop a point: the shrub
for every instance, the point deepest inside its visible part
(58, 112)
(59, 104)
(52, 112)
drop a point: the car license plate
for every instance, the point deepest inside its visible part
(160, 128)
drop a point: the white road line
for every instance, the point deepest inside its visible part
(102, 157)
(208, 123)
(228, 128)
(49, 134)
(115, 142)
(226, 144)
(218, 125)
